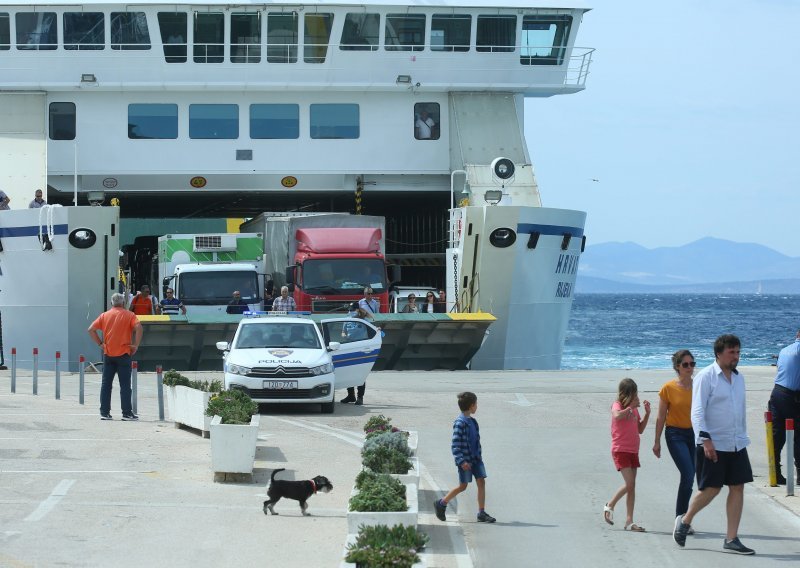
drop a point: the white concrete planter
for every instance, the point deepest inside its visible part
(187, 406)
(413, 474)
(351, 539)
(413, 441)
(233, 446)
(407, 518)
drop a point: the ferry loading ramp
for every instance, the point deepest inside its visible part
(418, 342)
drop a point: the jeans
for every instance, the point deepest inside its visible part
(121, 366)
(784, 404)
(680, 442)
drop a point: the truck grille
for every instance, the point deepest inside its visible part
(279, 372)
(330, 306)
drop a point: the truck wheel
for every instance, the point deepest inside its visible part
(327, 407)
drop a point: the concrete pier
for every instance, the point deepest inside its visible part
(77, 491)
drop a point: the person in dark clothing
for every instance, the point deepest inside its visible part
(236, 305)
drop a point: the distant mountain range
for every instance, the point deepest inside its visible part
(708, 265)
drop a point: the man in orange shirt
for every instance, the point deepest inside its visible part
(122, 334)
(143, 304)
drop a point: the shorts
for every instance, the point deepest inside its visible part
(732, 468)
(625, 459)
(478, 470)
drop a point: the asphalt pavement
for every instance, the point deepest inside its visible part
(78, 491)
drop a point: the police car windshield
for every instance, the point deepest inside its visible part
(277, 335)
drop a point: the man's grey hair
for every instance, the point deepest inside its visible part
(367, 290)
(117, 300)
(284, 288)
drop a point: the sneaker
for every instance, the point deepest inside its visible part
(105, 416)
(736, 546)
(484, 517)
(690, 531)
(680, 531)
(348, 398)
(440, 508)
(129, 416)
(360, 401)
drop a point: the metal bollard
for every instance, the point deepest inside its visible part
(13, 369)
(81, 361)
(134, 386)
(772, 476)
(789, 456)
(58, 375)
(35, 370)
(160, 387)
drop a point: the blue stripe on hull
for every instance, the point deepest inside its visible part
(556, 230)
(31, 231)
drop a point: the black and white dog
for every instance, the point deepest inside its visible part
(297, 490)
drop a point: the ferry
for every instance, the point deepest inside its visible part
(187, 113)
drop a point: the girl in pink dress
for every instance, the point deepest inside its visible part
(626, 427)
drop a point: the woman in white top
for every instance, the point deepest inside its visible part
(429, 305)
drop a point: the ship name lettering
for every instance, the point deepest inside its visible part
(564, 290)
(567, 264)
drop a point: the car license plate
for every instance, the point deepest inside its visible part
(280, 385)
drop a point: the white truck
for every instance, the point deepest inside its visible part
(205, 270)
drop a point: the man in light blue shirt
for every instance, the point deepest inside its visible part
(784, 402)
(720, 428)
(368, 303)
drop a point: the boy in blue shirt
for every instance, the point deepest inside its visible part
(466, 448)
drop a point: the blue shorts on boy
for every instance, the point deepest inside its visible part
(478, 470)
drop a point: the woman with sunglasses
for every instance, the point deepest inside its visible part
(674, 411)
(429, 305)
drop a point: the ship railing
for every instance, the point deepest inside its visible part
(455, 232)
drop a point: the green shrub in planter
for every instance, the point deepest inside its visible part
(395, 440)
(232, 406)
(380, 546)
(378, 493)
(173, 378)
(378, 425)
(385, 459)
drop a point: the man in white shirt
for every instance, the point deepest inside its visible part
(424, 126)
(720, 428)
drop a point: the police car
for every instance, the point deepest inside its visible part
(292, 359)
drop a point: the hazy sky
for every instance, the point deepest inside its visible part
(690, 121)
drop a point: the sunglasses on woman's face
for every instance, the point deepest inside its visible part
(429, 296)
(687, 364)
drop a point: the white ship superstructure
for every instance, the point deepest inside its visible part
(200, 109)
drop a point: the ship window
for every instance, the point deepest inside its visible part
(275, 121)
(281, 38)
(153, 121)
(317, 36)
(246, 38)
(544, 39)
(36, 30)
(496, 34)
(62, 121)
(405, 32)
(334, 121)
(450, 32)
(209, 37)
(426, 121)
(173, 36)
(214, 121)
(360, 32)
(5, 32)
(129, 31)
(84, 30)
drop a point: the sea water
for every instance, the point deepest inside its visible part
(642, 331)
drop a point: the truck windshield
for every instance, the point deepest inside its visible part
(344, 276)
(217, 287)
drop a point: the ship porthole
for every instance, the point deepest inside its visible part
(502, 237)
(82, 238)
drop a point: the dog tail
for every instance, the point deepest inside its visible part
(272, 477)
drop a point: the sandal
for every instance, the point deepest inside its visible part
(608, 514)
(633, 527)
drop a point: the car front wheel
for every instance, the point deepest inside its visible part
(327, 407)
